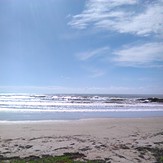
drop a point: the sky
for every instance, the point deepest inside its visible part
(81, 46)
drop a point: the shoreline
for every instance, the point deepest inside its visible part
(68, 116)
(116, 139)
(74, 120)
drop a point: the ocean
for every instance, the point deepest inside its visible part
(36, 107)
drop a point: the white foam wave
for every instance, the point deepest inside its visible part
(82, 110)
(39, 103)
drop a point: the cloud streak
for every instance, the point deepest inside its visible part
(147, 54)
(95, 72)
(99, 55)
(123, 16)
(83, 56)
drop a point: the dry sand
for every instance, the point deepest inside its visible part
(114, 140)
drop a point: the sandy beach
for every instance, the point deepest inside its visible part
(112, 140)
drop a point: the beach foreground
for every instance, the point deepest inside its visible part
(112, 140)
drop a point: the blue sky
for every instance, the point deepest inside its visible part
(81, 46)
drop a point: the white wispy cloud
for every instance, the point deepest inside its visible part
(141, 18)
(95, 72)
(94, 89)
(99, 55)
(147, 54)
(92, 53)
(33, 89)
(123, 16)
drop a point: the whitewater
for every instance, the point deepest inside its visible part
(16, 107)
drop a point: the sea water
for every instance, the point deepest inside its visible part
(34, 107)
